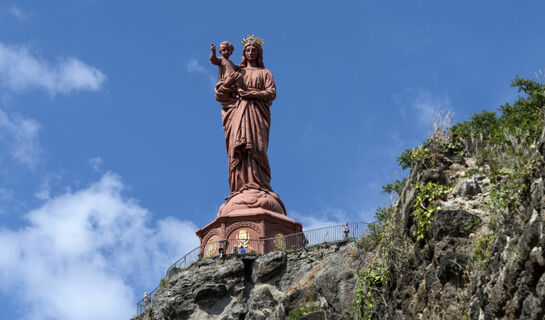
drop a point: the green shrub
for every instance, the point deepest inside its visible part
(395, 187)
(525, 115)
(412, 156)
(423, 207)
(510, 167)
(303, 311)
(377, 229)
(369, 282)
(483, 247)
(504, 143)
(165, 282)
(389, 245)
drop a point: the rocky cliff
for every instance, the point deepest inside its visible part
(462, 239)
(453, 247)
(316, 282)
(465, 240)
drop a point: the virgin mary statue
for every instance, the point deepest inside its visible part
(246, 96)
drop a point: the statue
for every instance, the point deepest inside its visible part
(225, 66)
(246, 94)
(252, 211)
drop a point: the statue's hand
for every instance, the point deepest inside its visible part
(252, 94)
(213, 48)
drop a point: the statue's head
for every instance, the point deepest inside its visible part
(252, 51)
(226, 49)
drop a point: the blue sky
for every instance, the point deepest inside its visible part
(111, 147)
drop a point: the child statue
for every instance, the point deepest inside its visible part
(225, 65)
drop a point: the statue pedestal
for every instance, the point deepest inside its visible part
(244, 220)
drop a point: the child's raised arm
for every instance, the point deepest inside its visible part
(213, 58)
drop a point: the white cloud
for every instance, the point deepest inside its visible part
(367, 215)
(20, 136)
(330, 218)
(327, 218)
(195, 67)
(21, 70)
(427, 105)
(96, 164)
(49, 180)
(81, 253)
(18, 12)
(6, 196)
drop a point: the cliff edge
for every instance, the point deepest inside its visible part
(462, 239)
(317, 281)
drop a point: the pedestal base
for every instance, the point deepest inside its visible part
(245, 220)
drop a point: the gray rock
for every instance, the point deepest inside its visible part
(268, 265)
(233, 267)
(452, 268)
(540, 288)
(442, 277)
(210, 291)
(467, 188)
(318, 315)
(454, 223)
(262, 298)
(435, 176)
(531, 308)
(537, 191)
(238, 309)
(321, 275)
(259, 314)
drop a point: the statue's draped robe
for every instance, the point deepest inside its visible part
(246, 123)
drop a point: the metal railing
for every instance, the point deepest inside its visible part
(145, 303)
(303, 239)
(184, 261)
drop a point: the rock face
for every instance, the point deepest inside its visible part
(473, 262)
(449, 275)
(512, 285)
(266, 287)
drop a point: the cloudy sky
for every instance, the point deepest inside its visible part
(111, 147)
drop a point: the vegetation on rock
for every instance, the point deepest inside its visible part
(505, 146)
(164, 282)
(303, 311)
(462, 237)
(424, 205)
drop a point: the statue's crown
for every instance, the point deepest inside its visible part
(253, 39)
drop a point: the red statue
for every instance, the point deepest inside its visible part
(225, 65)
(246, 93)
(246, 97)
